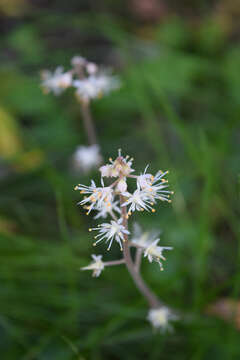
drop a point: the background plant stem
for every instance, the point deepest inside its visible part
(88, 123)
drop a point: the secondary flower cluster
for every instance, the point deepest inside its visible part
(86, 77)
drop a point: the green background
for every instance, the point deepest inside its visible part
(178, 109)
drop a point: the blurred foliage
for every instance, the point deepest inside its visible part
(178, 109)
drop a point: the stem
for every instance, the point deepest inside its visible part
(88, 123)
(138, 259)
(142, 287)
(114, 262)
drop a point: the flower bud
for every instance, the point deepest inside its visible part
(121, 186)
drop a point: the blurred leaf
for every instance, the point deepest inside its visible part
(29, 160)
(10, 143)
(173, 32)
(211, 36)
(13, 7)
(26, 41)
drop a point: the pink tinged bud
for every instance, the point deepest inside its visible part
(78, 60)
(121, 186)
(91, 68)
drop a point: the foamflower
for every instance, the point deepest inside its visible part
(96, 265)
(87, 158)
(95, 85)
(56, 81)
(160, 318)
(143, 238)
(154, 252)
(111, 231)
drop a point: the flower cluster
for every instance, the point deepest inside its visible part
(103, 199)
(86, 77)
(115, 201)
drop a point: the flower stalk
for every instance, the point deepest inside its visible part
(152, 299)
(115, 201)
(88, 123)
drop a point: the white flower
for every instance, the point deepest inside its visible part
(159, 318)
(97, 265)
(143, 239)
(111, 231)
(154, 252)
(121, 166)
(106, 170)
(144, 180)
(139, 201)
(56, 81)
(94, 86)
(151, 186)
(87, 157)
(96, 195)
(105, 209)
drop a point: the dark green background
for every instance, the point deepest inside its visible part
(178, 109)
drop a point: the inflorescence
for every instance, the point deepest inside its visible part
(118, 203)
(86, 77)
(104, 200)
